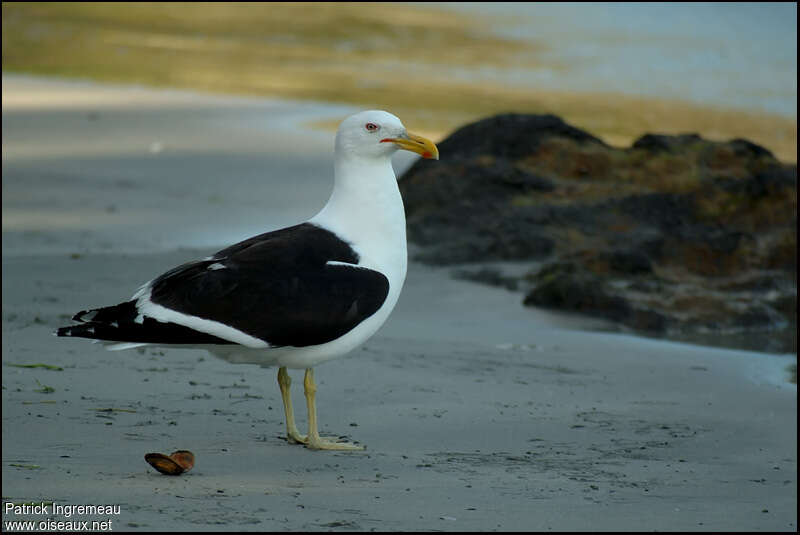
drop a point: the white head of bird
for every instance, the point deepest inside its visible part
(377, 134)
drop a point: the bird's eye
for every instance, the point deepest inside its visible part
(371, 127)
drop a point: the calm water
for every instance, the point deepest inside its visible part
(740, 55)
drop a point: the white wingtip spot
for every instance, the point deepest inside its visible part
(215, 266)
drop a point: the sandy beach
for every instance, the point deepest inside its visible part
(477, 413)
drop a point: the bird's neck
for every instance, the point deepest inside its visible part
(366, 209)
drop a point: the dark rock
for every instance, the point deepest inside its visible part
(487, 246)
(787, 305)
(665, 143)
(677, 235)
(748, 149)
(572, 286)
(770, 181)
(632, 262)
(514, 177)
(467, 183)
(456, 252)
(665, 211)
(781, 253)
(758, 282)
(492, 277)
(648, 321)
(579, 292)
(709, 252)
(759, 316)
(510, 135)
(628, 262)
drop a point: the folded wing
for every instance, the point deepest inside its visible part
(297, 286)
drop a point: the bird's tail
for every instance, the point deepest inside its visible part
(114, 323)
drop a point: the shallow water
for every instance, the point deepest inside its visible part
(737, 55)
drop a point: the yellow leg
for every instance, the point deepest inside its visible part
(285, 382)
(315, 442)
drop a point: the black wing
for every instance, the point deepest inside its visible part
(278, 287)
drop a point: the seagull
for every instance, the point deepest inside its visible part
(294, 297)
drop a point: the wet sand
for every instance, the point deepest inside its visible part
(477, 413)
